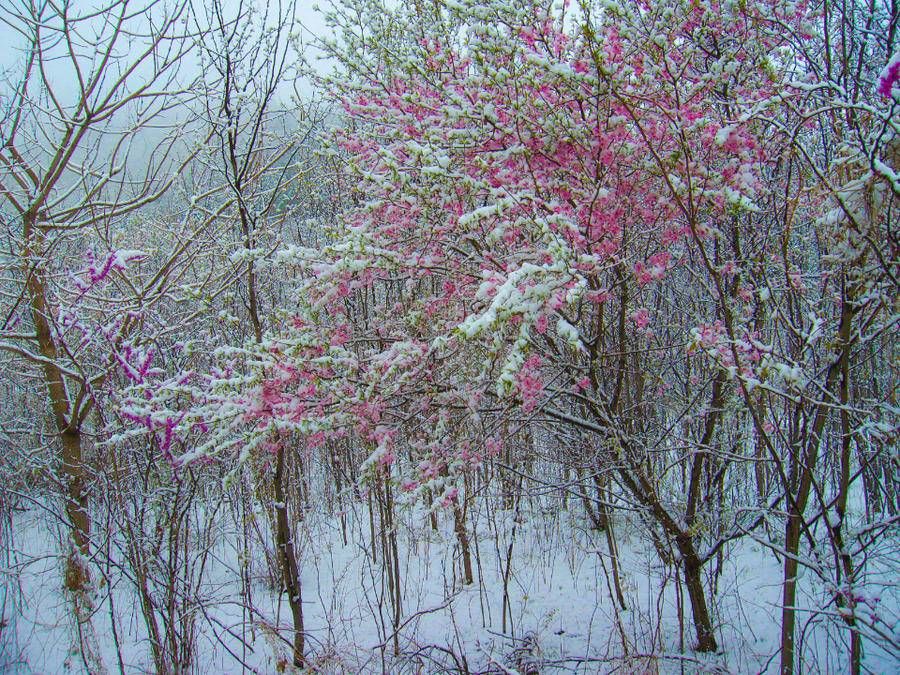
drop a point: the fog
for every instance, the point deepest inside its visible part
(150, 135)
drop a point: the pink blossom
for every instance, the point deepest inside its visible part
(654, 269)
(889, 76)
(493, 447)
(450, 497)
(597, 297)
(641, 318)
(709, 334)
(429, 470)
(530, 383)
(470, 457)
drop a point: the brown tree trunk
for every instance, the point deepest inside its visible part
(459, 525)
(65, 419)
(284, 541)
(613, 556)
(641, 488)
(789, 593)
(693, 580)
(802, 467)
(77, 579)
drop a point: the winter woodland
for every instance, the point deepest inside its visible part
(450, 336)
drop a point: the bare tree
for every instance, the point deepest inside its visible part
(81, 148)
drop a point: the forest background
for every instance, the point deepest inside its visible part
(518, 337)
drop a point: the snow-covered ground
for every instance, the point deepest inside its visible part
(561, 617)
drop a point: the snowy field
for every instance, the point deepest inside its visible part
(561, 615)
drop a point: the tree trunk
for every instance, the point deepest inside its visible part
(789, 593)
(693, 580)
(77, 579)
(459, 525)
(802, 465)
(67, 421)
(284, 540)
(641, 488)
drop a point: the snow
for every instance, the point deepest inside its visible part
(482, 212)
(723, 134)
(569, 333)
(888, 173)
(560, 607)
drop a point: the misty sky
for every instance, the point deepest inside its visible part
(311, 25)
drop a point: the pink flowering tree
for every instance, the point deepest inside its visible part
(601, 219)
(544, 192)
(623, 224)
